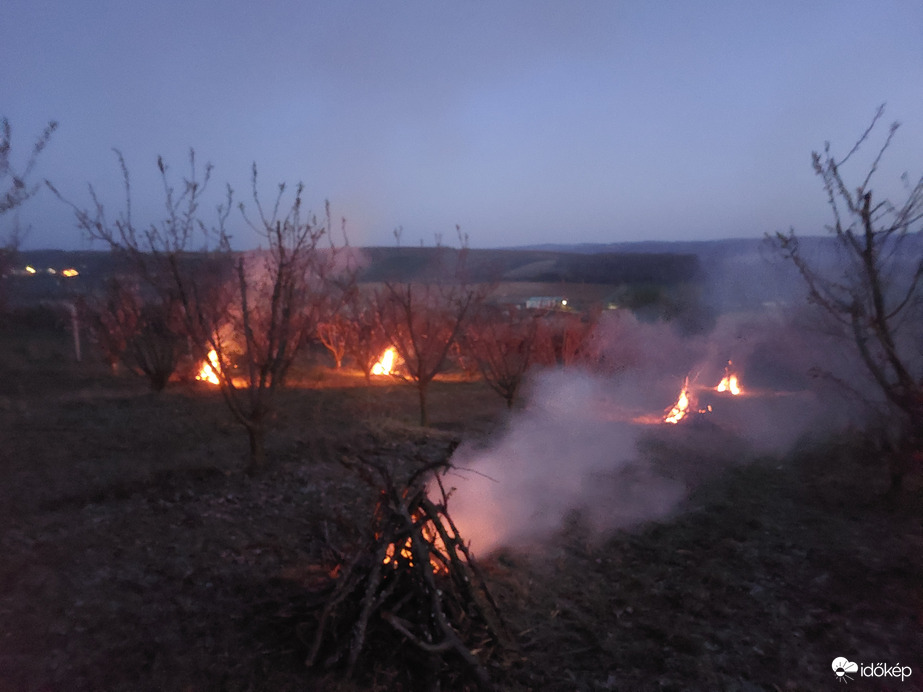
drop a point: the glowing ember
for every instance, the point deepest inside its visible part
(431, 537)
(729, 382)
(406, 553)
(210, 369)
(385, 363)
(681, 407)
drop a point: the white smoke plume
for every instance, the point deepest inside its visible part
(568, 450)
(574, 445)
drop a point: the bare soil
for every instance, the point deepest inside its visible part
(135, 554)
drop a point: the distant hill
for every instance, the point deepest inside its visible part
(727, 274)
(541, 266)
(695, 247)
(398, 264)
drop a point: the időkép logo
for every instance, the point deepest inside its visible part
(842, 667)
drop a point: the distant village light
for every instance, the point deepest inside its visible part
(69, 272)
(30, 269)
(545, 303)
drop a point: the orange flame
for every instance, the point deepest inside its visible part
(681, 407)
(385, 364)
(406, 553)
(210, 369)
(729, 383)
(393, 556)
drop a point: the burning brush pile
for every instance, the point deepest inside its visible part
(686, 403)
(413, 596)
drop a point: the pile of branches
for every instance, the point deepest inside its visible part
(413, 595)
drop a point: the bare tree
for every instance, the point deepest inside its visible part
(159, 342)
(501, 343)
(333, 332)
(182, 289)
(147, 334)
(113, 320)
(873, 288)
(275, 310)
(422, 321)
(561, 338)
(15, 189)
(260, 307)
(365, 337)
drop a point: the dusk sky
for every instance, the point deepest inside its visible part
(522, 121)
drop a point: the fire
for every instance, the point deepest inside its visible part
(729, 383)
(681, 407)
(393, 556)
(686, 402)
(385, 364)
(210, 369)
(406, 553)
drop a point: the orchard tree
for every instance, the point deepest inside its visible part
(333, 332)
(113, 319)
(365, 338)
(423, 320)
(159, 342)
(872, 289)
(276, 307)
(502, 344)
(147, 335)
(562, 337)
(255, 311)
(180, 290)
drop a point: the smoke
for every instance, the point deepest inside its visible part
(595, 443)
(568, 450)
(592, 440)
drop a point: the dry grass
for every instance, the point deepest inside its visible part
(137, 556)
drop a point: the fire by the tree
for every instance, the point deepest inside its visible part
(210, 369)
(729, 383)
(385, 364)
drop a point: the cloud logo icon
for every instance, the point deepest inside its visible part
(841, 666)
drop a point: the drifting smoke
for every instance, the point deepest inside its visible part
(596, 444)
(567, 451)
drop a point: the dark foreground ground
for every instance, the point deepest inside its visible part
(136, 555)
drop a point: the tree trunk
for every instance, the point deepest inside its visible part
(257, 436)
(424, 413)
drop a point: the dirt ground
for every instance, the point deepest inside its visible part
(137, 554)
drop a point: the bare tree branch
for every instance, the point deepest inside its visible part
(874, 288)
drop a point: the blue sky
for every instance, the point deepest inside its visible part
(522, 121)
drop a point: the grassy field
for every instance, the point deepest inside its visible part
(137, 555)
